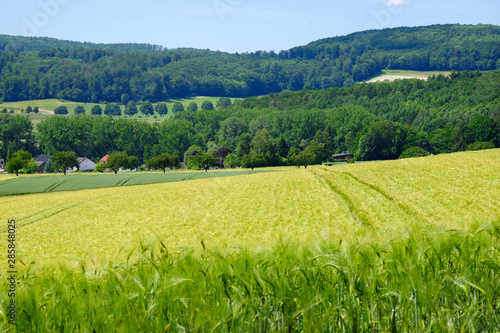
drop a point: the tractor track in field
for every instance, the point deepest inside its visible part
(124, 181)
(189, 177)
(405, 208)
(357, 213)
(54, 186)
(42, 215)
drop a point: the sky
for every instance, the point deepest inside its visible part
(230, 25)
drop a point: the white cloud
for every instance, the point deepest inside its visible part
(395, 3)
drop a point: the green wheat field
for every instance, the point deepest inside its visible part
(396, 246)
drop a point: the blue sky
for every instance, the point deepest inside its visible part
(230, 25)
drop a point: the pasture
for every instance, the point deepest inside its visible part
(47, 107)
(407, 245)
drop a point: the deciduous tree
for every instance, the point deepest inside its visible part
(63, 160)
(163, 161)
(232, 161)
(131, 108)
(61, 110)
(221, 154)
(253, 160)
(207, 106)
(118, 160)
(193, 106)
(305, 158)
(17, 161)
(161, 109)
(194, 150)
(177, 107)
(79, 109)
(147, 109)
(96, 110)
(112, 109)
(203, 161)
(224, 103)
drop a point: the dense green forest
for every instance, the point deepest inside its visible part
(373, 120)
(39, 68)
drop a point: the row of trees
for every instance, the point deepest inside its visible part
(91, 75)
(146, 108)
(374, 121)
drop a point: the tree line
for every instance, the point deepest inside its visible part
(32, 68)
(373, 121)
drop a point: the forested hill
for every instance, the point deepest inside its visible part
(374, 121)
(38, 68)
(20, 43)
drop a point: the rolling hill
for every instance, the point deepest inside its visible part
(39, 68)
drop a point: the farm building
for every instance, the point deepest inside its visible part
(41, 161)
(85, 164)
(41, 166)
(43, 158)
(104, 159)
(344, 156)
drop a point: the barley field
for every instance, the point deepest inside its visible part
(397, 246)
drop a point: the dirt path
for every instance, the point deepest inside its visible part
(46, 111)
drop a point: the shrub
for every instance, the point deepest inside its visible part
(232, 161)
(31, 168)
(480, 146)
(100, 167)
(413, 152)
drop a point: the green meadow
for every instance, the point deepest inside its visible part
(47, 107)
(58, 182)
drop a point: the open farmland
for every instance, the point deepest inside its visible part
(384, 246)
(390, 75)
(9, 184)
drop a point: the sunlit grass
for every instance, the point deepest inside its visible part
(396, 246)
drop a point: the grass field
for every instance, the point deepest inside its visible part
(393, 74)
(47, 107)
(394, 246)
(28, 184)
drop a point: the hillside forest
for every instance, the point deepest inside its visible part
(375, 121)
(41, 68)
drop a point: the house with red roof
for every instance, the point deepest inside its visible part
(104, 159)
